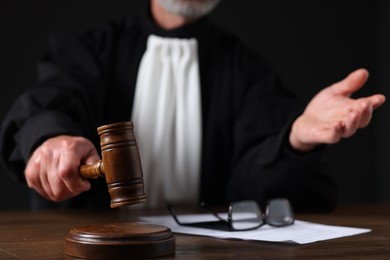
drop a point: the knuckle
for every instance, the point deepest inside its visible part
(64, 172)
(59, 194)
(57, 197)
(68, 143)
(42, 151)
(73, 143)
(364, 106)
(31, 174)
(364, 103)
(28, 172)
(354, 117)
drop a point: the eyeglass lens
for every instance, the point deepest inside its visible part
(279, 213)
(245, 215)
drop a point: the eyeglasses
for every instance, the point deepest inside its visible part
(246, 215)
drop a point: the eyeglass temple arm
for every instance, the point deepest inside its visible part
(172, 211)
(215, 214)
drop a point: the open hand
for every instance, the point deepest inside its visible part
(332, 114)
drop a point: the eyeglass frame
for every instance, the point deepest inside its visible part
(289, 219)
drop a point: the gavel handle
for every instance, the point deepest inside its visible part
(92, 171)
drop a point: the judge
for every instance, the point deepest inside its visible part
(212, 121)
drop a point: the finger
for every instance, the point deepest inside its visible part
(31, 172)
(366, 110)
(47, 186)
(351, 124)
(59, 191)
(333, 133)
(69, 173)
(366, 106)
(40, 190)
(377, 100)
(45, 172)
(33, 175)
(353, 82)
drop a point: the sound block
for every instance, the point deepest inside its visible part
(120, 240)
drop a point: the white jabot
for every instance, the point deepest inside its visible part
(167, 120)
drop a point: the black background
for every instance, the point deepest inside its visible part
(311, 44)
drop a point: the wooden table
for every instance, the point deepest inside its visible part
(40, 235)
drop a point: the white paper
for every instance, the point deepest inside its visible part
(300, 232)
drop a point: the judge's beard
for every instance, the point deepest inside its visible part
(189, 8)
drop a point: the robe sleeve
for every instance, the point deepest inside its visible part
(264, 164)
(68, 99)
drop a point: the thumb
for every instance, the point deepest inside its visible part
(92, 157)
(353, 82)
(88, 152)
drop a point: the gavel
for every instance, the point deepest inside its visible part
(120, 164)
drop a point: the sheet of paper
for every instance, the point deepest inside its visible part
(300, 232)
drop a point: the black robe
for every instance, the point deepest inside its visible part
(88, 80)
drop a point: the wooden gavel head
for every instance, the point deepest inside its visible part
(120, 165)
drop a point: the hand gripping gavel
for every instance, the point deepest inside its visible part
(120, 165)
